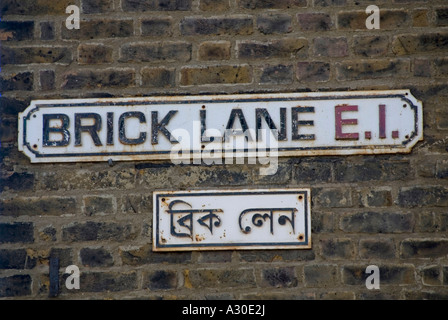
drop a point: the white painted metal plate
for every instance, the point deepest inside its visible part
(294, 124)
(232, 219)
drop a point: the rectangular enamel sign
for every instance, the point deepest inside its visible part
(231, 219)
(217, 126)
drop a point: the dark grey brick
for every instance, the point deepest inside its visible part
(17, 232)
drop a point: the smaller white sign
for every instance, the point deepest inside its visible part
(232, 219)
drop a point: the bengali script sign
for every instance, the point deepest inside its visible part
(231, 219)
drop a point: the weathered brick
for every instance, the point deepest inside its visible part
(313, 71)
(273, 23)
(18, 181)
(337, 248)
(33, 7)
(229, 25)
(327, 3)
(276, 255)
(377, 222)
(156, 52)
(47, 79)
(98, 205)
(221, 74)
(441, 67)
(214, 5)
(376, 198)
(136, 256)
(8, 132)
(17, 232)
(18, 81)
(97, 6)
(215, 257)
(389, 20)
(371, 46)
(442, 119)
(99, 29)
(409, 1)
(314, 170)
(277, 74)
(158, 77)
(322, 222)
(389, 274)
(157, 27)
(336, 295)
(65, 256)
(331, 47)
(11, 107)
(94, 54)
(320, 275)
(16, 259)
(138, 203)
(16, 30)
(424, 248)
(96, 257)
(426, 222)
(432, 276)
(218, 278)
(376, 249)
(420, 43)
(271, 4)
(332, 197)
(47, 30)
(107, 281)
(97, 231)
(423, 196)
(94, 79)
(422, 68)
(283, 48)
(280, 277)
(442, 17)
(441, 169)
(29, 55)
(314, 21)
(160, 280)
(37, 206)
(156, 5)
(370, 170)
(47, 233)
(93, 179)
(425, 295)
(445, 275)
(214, 50)
(372, 69)
(15, 286)
(420, 18)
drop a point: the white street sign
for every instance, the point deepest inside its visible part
(216, 126)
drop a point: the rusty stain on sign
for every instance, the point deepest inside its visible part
(216, 126)
(232, 219)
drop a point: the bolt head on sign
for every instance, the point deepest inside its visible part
(213, 127)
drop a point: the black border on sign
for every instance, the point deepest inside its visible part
(127, 103)
(224, 246)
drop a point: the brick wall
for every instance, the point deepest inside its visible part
(385, 210)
